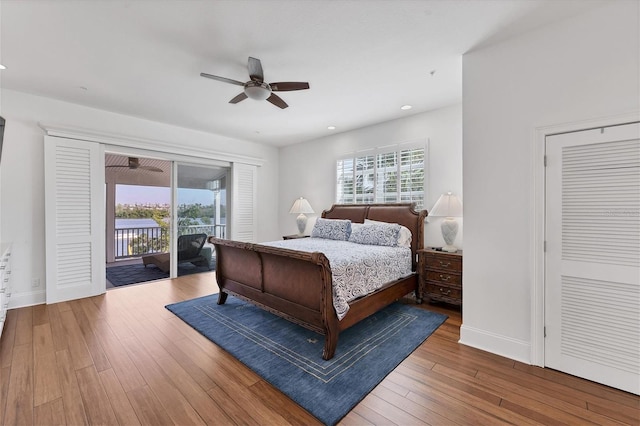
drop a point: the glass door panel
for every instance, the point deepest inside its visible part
(201, 209)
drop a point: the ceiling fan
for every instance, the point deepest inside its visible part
(134, 164)
(257, 89)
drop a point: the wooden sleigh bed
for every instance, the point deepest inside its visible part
(297, 285)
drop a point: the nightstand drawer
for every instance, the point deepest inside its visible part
(437, 291)
(441, 276)
(444, 262)
(444, 278)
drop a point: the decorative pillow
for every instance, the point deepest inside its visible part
(332, 229)
(404, 237)
(379, 234)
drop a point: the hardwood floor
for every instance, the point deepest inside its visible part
(122, 358)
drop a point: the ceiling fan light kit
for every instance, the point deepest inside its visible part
(257, 89)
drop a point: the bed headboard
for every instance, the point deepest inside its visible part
(402, 213)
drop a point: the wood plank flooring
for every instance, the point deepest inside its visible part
(122, 358)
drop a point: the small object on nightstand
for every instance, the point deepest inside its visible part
(294, 236)
(441, 275)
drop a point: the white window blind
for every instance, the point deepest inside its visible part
(389, 176)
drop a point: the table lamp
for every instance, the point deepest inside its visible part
(300, 207)
(449, 207)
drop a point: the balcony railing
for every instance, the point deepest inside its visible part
(135, 242)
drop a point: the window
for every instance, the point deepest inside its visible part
(388, 176)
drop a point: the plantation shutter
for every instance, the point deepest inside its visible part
(364, 179)
(387, 177)
(344, 180)
(412, 176)
(244, 214)
(75, 238)
(592, 299)
(390, 176)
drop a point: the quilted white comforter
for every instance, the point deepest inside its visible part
(357, 269)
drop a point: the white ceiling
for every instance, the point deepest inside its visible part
(362, 59)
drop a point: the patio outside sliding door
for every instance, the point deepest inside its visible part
(200, 209)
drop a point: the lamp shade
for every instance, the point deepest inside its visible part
(448, 205)
(301, 205)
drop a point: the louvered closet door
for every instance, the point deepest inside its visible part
(74, 219)
(592, 281)
(244, 214)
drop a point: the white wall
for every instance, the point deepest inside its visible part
(309, 169)
(582, 68)
(22, 175)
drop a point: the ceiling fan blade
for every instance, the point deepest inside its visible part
(240, 97)
(150, 169)
(277, 101)
(223, 79)
(126, 167)
(288, 85)
(255, 70)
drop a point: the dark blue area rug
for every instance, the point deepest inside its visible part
(130, 274)
(290, 357)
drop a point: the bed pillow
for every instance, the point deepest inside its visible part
(332, 229)
(404, 236)
(378, 234)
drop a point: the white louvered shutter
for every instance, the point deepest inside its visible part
(244, 213)
(75, 236)
(592, 285)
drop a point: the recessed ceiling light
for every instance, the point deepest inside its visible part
(2, 67)
(331, 127)
(405, 107)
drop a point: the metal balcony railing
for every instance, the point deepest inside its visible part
(135, 242)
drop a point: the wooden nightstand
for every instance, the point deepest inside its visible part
(294, 236)
(441, 276)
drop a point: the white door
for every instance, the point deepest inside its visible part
(592, 278)
(74, 218)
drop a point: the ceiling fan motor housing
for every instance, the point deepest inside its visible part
(257, 91)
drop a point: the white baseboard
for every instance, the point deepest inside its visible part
(508, 347)
(29, 298)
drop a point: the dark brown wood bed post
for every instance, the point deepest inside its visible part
(329, 317)
(222, 296)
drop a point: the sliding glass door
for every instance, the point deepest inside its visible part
(200, 211)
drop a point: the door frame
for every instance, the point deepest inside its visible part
(538, 222)
(175, 151)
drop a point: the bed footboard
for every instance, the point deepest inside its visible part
(294, 285)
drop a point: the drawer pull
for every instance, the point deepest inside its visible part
(448, 292)
(444, 265)
(445, 277)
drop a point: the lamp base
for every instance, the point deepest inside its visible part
(449, 228)
(301, 220)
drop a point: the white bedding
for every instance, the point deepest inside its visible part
(357, 269)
